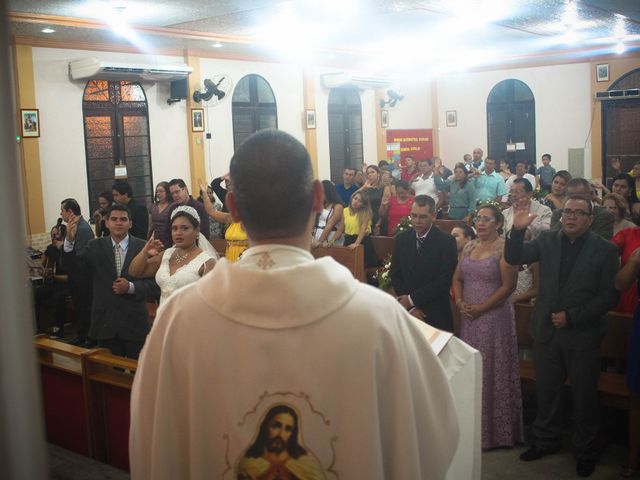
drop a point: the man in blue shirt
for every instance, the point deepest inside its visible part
(489, 184)
(348, 187)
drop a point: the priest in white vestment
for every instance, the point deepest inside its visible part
(282, 366)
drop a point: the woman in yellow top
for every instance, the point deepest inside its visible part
(236, 236)
(356, 226)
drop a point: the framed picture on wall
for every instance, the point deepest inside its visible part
(452, 118)
(29, 122)
(602, 72)
(197, 119)
(384, 118)
(310, 119)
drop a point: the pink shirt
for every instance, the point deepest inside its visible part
(397, 211)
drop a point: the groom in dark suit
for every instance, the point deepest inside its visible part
(119, 318)
(422, 266)
(577, 270)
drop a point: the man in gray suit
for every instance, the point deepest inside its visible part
(119, 318)
(80, 285)
(577, 270)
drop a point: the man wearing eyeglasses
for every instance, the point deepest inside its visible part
(577, 270)
(602, 220)
(521, 195)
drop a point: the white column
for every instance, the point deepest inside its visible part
(22, 446)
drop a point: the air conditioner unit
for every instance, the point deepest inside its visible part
(342, 79)
(610, 95)
(94, 68)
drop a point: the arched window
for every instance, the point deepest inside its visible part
(345, 131)
(621, 127)
(254, 108)
(511, 119)
(116, 132)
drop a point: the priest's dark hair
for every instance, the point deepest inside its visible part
(294, 449)
(272, 183)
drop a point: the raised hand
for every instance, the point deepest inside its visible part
(153, 247)
(521, 217)
(203, 187)
(72, 227)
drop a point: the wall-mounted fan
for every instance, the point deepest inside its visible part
(215, 89)
(393, 98)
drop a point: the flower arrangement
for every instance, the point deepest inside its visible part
(383, 274)
(540, 195)
(486, 203)
(403, 226)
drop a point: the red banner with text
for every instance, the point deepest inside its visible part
(417, 142)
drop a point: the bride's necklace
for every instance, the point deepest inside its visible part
(182, 257)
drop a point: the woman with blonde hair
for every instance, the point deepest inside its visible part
(356, 226)
(619, 208)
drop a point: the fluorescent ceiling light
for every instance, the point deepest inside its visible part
(47, 30)
(217, 45)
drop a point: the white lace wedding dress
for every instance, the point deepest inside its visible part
(184, 275)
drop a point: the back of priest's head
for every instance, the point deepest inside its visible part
(272, 185)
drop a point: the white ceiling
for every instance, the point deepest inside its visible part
(407, 36)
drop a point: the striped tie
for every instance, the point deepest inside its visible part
(116, 250)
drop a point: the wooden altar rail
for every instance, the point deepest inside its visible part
(612, 386)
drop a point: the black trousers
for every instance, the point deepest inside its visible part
(123, 348)
(82, 296)
(370, 258)
(554, 364)
(51, 297)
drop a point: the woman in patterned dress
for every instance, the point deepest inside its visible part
(482, 284)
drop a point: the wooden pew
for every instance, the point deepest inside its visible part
(63, 397)
(383, 246)
(612, 386)
(448, 225)
(353, 259)
(107, 381)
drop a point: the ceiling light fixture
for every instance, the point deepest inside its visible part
(47, 30)
(217, 45)
(570, 16)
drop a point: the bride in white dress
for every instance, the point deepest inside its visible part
(189, 259)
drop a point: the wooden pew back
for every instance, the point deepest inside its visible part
(64, 401)
(107, 381)
(448, 225)
(383, 246)
(353, 259)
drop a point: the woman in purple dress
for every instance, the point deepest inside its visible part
(159, 213)
(482, 284)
